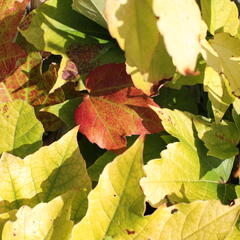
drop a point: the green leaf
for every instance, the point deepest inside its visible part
(222, 54)
(185, 172)
(150, 62)
(49, 172)
(65, 110)
(221, 139)
(45, 221)
(182, 43)
(96, 169)
(20, 131)
(116, 198)
(93, 9)
(218, 93)
(54, 25)
(220, 16)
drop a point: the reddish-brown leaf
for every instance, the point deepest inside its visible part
(11, 55)
(29, 84)
(115, 109)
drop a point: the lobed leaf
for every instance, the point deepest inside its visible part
(114, 109)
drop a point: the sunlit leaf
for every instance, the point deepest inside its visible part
(44, 221)
(20, 131)
(216, 86)
(222, 54)
(49, 172)
(133, 33)
(185, 172)
(180, 24)
(93, 9)
(117, 199)
(220, 15)
(114, 109)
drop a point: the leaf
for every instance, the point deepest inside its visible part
(11, 55)
(224, 134)
(20, 131)
(134, 33)
(65, 111)
(29, 84)
(44, 221)
(114, 109)
(220, 16)
(218, 93)
(96, 169)
(182, 43)
(93, 9)
(185, 172)
(55, 25)
(222, 54)
(39, 178)
(116, 198)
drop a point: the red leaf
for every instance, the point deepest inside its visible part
(115, 109)
(11, 55)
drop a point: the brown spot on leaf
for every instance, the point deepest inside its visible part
(232, 203)
(174, 211)
(188, 71)
(5, 108)
(129, 232)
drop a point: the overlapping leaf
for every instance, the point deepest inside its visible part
(93, 9)
(220, 15)
(20, 131)
(11, 55)
(218, 92)
(180, 24)
(122, 215)
(29, 84)
(222, 54)
(191, 174)
(114, 108)
(134, 33)
(49, 172)
(44, 221)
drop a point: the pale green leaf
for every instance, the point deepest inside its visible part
(133, 33)
(115, 198)
(220, 16)
(223, 54)
(93, 9)
(20, 131)
(216, 86)
(47, 173)
(235, 235)
(181, 26)
(236, 105)
(46, 221)
(221, 139)
(185, 172)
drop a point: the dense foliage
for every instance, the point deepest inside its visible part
(119, 119)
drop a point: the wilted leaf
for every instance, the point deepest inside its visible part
(114, 108)
(47, 173)
(93, 9)
(180, 24)
(185, 172)
(44, 221)
(20, 131)
(222, 53)
(218, 93)
(220, 16)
